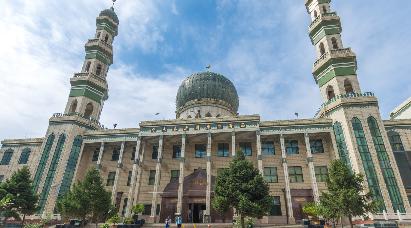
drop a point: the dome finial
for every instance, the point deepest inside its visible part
(114, 1)
(208, 67)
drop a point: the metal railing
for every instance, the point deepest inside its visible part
(90, 120)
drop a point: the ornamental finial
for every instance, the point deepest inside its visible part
(114, 1)
(208, 67)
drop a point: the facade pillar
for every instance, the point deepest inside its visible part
(207, 215)
(157, 177)
(310, 161)
(138, 181)
(133, 177)
(233, 144)
(119, 166)
(287, 182)
(181, 177)
(334, 142)
(259, 155)
(100, 155)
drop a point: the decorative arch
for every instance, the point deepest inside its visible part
(395, 140)
(387, 171)
(208, 114)
(8, 154)
(88, 64)
(348, 86)
(334, 43)
(43, 160)
(341, 145)
(330, 92)
(368, 165)
(89, 110)
(73, 106)
(189, 117)
(24, 156)
(51, 172)
(98, 69)
(106, 38)
(218, 115)
(322, 49)
(315, 14)
(324, 9)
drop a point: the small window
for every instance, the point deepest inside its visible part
(124, 207)
(395, 140)
(133, 153)
(291, 147)
(116, 154)
(6, 157)
(147, 209)
(208, 114)
(276, 207)
(24, 157)
(87, 69)
(245, 147)
(98, 35)
(96, 152)
(176, 151)
(330, 92)
(315, 14)
(267, 148)
(106, 38)
(324, 9)
(334, 43)
(154, 153)
(89, 111)
(223, 150)
(98, 69)
(321, 173)
(110, 179)
(174, 175)
(322, 49)
(296, 174)
(200, 150)
(270, 174)
(151, 177)
(130, 173)
(316, 146)
(73, 106)
(348, 86)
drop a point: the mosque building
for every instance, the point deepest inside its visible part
(170, 166)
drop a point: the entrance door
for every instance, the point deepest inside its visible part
(196, 212)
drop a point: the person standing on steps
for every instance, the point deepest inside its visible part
(179, 221)
(168, 220)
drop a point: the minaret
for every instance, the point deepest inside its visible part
(362, 141)
(64, 138)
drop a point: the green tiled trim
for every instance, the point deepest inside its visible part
(97, 48)
(325, 27)
(341, 145)
(103, 23)
(43, 161)
(319, 2)
(87, 92)
(95, 54)
(88, 83)
(335, 72)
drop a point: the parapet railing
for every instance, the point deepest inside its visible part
(344, 96)
(319, 17)
(90, 120)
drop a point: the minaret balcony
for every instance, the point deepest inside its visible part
(107, 47)
(76, 117)
(323, 18)
(88, 76)
(333, 54)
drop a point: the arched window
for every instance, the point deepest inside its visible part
(98, 35)
(387, 171)
(368, 165)
(71, 166)
(106, 38)
(348, 86)
(322, 49)
(98, 69)
(189, 117)
(73, 106)
(334, 43)
(315, 14)
(395, 140)
(7, 157)
(341, 145)
(24, 157)
(330, 92)
(198, 114)
(43, 161)
(51, 172)
(89, 110)
(87, 66)
(208, 114)
(324, 9)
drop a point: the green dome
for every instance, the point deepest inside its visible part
(110, 13)
(207, 85)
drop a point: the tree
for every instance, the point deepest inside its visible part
(19, 191)
(87, 199)
(345, 196)
(242, 187)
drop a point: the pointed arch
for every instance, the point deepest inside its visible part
(385, 165)
(87, 68)
(322, 49)
(368, 165)
(315, 14)
(73, 106)
(208, 114)
(341, 145)
(43, 160)
(88, 111)
(24, 156)
(330, 92)
(98, 69)
(8, 154)
(106, 38)
(348, 86)
(324, 9)
(395, 141)
(334, 42)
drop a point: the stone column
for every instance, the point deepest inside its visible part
(133, 177)
(334, 142)
(310, 161)
(207, 215)
(157, 177)
(181, 177)
(100, 155)
(259, 155)
(233, 144)
(287, 181)
(119, 166)
(139, 168)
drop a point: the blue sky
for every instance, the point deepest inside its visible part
(262, 46)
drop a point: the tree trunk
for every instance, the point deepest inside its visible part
(22, 221)
(350, 218)
(242, 221)
(342, 224)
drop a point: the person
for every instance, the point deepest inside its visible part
(179, 221)
(168, 222)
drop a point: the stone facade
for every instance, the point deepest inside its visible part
(170, 166)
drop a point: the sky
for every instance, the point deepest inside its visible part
(262, 46)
